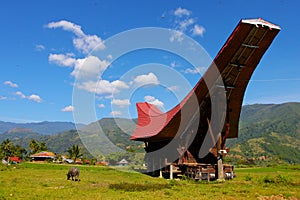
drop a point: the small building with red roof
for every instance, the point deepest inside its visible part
(14, 159)
(42, 156)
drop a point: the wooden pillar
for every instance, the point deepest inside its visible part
(219, 159)
(160, 169)
(171, 171)
(153, 167)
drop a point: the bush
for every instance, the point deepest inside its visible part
(279, 179)
(248, 177)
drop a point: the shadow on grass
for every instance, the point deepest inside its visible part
(136, 187)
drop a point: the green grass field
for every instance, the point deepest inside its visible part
(48, 181)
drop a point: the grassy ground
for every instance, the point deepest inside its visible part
(48, 181)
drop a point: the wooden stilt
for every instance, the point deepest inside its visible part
(171, 171)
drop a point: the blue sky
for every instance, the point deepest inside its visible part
(44, 43)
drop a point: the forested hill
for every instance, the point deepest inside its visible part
(44, 128)
(268, 131)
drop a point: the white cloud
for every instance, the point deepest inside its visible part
(20, 94)
(198, 30)
(196, 70)
(82, 42)
(66, 60)
(3, 98)
(101, 105)
(176, 35)
(119, 84)
(67, 26)
(179, 12)
(115, 113)
(35, 98)
(89, 67)
(173, 64)
(68, 109)
(183, 25)
(120, 102)
(154, 101)
(109, 57)
(146, 79)
(11, 84)
(39, 47)
(102, 86)
(173, 88)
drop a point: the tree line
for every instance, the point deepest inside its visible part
(9, 149)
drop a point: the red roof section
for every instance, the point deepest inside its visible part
(15, 159)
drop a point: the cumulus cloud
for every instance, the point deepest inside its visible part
(109, 57)
(101, 105)
(179, 12)
(20, 94)
(3, 98)
(198, 30)
(173, 88)
(35, 98)
(32, 97)
(39, 47)
(154, 101)
(120, 102)
(146, 79)
(102, 86)
(196, 70)
(82, 42)
(65, 60)
(185, 23)
(115, 113)
(90, 67)
(68, 109)
(173, 64)
(176, 36)
(119, 84)
(11, 84)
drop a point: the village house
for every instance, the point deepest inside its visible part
(42, 156)
(123, 162)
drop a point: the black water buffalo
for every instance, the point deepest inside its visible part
(73, 173)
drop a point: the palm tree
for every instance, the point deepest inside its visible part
(43, 146)
(7, 148)
(34, 146)
(74, 152)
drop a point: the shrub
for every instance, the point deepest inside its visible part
(248, 177)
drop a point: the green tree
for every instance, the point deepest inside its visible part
(74, 152)
(20, 152)
(43, 147)
(6, 149)
(36, 147)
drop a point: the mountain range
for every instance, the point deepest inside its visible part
(44, 128)
(266, 132)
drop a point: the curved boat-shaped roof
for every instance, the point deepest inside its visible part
(236, 63)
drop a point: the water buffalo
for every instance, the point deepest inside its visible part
(74, 173)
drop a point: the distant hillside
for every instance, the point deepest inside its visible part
(45, 128)
(97, 142)
(268, 131)
(19, 133)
